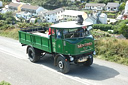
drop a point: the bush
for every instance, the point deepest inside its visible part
(112, 49)
(104, 27)
(111, 15)
(4, 83)
(121, 28)
(124, 30)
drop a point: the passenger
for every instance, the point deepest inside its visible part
(59, 35)
(80, 32)
(50, 31)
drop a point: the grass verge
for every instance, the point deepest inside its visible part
(11, 33)
(112, 49)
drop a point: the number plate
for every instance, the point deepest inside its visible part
(82, 59)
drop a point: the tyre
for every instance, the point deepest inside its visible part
(33, 54)
(89, 61)
(63, 65)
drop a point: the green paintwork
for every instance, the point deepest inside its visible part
(70, 46)
(36, 41)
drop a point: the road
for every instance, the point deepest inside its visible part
(18, 70)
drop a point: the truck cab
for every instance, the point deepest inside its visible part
(72, 39)
(72, 42)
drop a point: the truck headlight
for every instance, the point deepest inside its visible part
(94, 53)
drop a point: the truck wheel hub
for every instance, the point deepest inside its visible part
(60, 64)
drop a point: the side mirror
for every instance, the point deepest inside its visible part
(89, 28)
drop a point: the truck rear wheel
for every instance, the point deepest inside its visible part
(89, 61)
(63, 65)
(33, 54)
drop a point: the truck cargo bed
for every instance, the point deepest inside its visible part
(35, 39)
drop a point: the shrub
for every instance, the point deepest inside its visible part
(113, 50)
(104, 27)
(4, 83)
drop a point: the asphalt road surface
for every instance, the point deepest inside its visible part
(16, 68)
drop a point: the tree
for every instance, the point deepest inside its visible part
(124, 30)
(122, 6)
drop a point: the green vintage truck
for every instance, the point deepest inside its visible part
(68, 43)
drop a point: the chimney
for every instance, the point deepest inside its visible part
(80, 20)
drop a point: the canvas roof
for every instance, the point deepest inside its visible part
(70, 24)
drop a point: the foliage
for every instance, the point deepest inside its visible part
(12, 33)
(112, 49)
(5, 21)
(122, 6)
(120, 27)
(104, 27)
(4, 25)
(50, 4)
(105, 1)
(45, 24)
(25, 25)
(111, 14)
(4, 83)
(124, 30)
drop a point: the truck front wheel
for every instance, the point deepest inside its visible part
(33, 54)
(89, 61)
(63, 64)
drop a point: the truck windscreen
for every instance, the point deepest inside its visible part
(75, 33)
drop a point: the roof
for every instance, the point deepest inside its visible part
(111, 4)
(73, 12)
(55, 11)
(70, 24)
(95, 4)
(25, 6)
(120, 37)
(14, 5)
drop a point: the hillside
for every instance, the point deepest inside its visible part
(49, 4)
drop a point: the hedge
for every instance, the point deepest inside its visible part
(104, 27)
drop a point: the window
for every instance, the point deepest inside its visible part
(58, 34)
(92, 6)
(75, 33)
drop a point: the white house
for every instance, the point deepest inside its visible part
(75, 0)
(72, 14)
(103, 18)
(94, 6)
(53, 16)
(125, 15)
(26, 16)
(35, 10)
(13, 6)
(126, 8)
(112, 6)
(96, 18)
(1, 4)
(91, 19)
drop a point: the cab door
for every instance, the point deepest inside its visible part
(57, 42)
